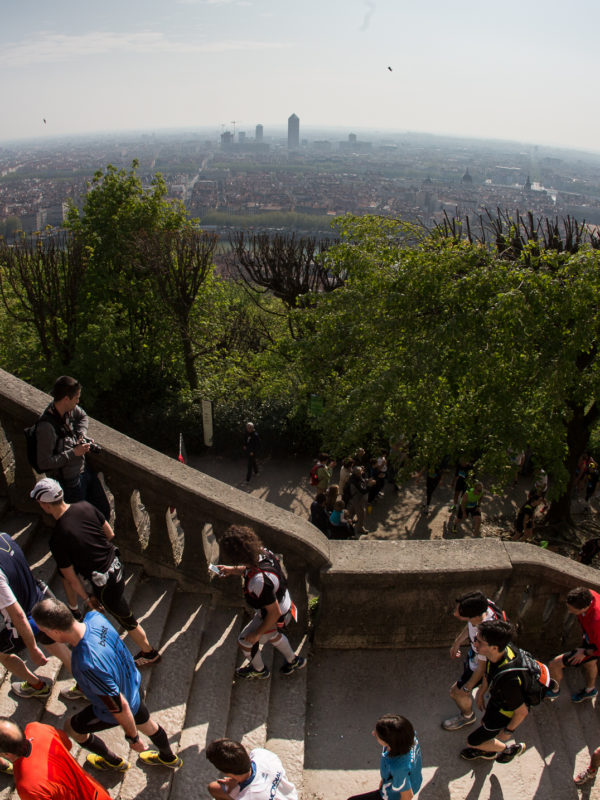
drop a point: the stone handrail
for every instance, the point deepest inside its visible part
(147, 488)
(401, 593)
(372, 594)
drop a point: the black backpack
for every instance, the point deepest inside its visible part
(534, 676)
(31, 437)
(268, 563)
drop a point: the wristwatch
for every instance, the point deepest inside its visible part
(133, 739)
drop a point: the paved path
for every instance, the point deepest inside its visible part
(285, 483)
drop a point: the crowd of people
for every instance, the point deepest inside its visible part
(507, 681)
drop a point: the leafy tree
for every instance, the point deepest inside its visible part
(178, 262)
(40, 285)
(459, 348)
(117, 210)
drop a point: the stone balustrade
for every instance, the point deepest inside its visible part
(373, 594)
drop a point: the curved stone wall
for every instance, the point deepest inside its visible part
(372, 594)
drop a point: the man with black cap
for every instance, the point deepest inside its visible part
(81, 544)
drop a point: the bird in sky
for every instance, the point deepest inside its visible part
(44, 120)
(390, 69)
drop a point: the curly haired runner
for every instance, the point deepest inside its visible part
(265, 590)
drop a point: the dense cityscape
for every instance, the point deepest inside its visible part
(231, 179)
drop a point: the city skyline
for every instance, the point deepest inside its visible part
(387, 66)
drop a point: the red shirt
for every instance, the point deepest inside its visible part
(50, 772)
(590, 621)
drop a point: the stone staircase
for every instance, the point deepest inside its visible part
(191, 692)
(342, 757)
(319, 720)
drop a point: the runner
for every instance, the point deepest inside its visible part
(265, 590)
(507, 706)
(585, 605)
(469, 507)
(472, 608)
(258, 775)
(107, 675)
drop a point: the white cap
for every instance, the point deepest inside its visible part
(47, 491)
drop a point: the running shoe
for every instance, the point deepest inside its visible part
(250, 672)
(471, 753)
(72, 693)
(511, 752)
(6, 768)
(459, 721)
(25, 689)
(144, 659)
(98, 762)
(153, 757)
(552, 694)
(579, 697)
(292, 666)
(587, 775)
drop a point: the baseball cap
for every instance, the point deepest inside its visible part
(47, 491)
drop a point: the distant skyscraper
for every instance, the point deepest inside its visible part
(293, 132)
(259, 133)
(352, 138)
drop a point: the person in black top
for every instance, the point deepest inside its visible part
(251, 447)
(81, 544)
(318, 513)
(62, 444)
(19, 592)
(506, 708)
(524, 520)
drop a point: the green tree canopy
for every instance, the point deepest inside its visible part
(458, 349)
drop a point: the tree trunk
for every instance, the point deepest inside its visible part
(578, 436)
(188, 359)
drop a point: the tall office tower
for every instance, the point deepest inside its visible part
(259, 133)
(293, 132)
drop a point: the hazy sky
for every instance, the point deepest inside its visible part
(519, 69)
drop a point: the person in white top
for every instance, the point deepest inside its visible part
(258, 775)
(472, 608)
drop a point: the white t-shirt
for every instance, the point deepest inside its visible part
(7, 598)
(489, 614)
(270, 781)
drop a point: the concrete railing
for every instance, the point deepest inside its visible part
(372, 594)
(401, 594)
(168, 516)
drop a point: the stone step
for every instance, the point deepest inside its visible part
(208, 702)
(348, 690)
(286, 724)
(169, 690)
(249, 707)
(585, 731)
(21, 527)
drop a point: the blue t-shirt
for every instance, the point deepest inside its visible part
(400, 773)
(103, 666)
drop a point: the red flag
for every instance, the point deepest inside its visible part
(182, 454)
